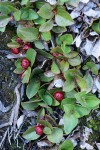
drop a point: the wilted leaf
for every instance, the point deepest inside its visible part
(13, 45)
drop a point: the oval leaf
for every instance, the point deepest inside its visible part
(32, 88)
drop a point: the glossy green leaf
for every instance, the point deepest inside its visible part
(66, 49)
(29, 105)
(67, 101)
(4, 21)
(57, 50)
(70, 122)
(17, 15)
(29, 34)
(44, 53)
(31, 55)
(96, 27)
(63, 18)
(32, 88)
(92, 101)
(56, 135)
(72, 54)
(87, 100)
(55, 68)
(67, 39)
(66, 145)
(93, 67)
(64, 65)
(30, 134)
(26, 75)
(7, 7)
(24, 2)
(44, 78)
(89, 81)
(32, 15)
(69, 84)
(75, 61)
(46, 124)
(58, 29)
(47, 26)
(81, 111)
(46, 11)
(47, 99)
(47, 130)
(40, 20)
(81, 82)
(39, 44)
(46, 36)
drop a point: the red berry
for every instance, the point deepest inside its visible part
(27, 46)
(58, 96)
(39, 130)
(15, 50)
(25, 63)
(19, 41)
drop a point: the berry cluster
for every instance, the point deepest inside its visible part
(25, 63)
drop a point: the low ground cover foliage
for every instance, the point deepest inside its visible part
(51, 66)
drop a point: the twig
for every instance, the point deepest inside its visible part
(17, 104)
(2, 141)
(10, 120)
(52, 44)
(11, 56)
